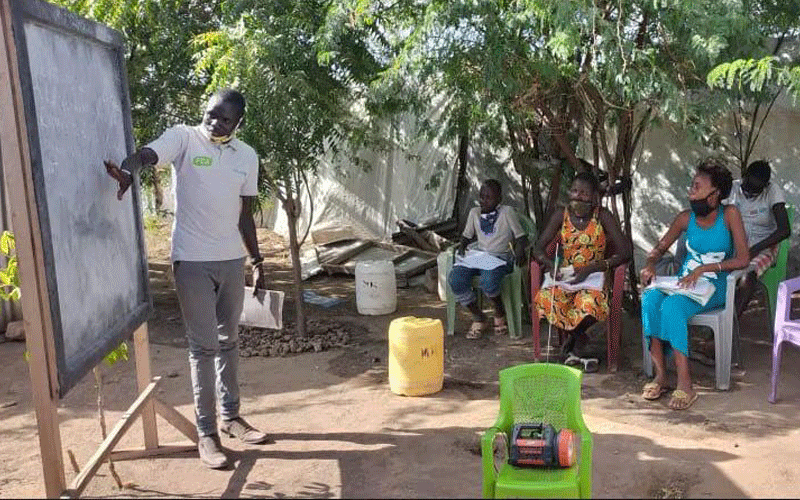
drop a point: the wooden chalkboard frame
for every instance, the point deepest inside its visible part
(59, 19)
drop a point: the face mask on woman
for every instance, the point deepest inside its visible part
(701, 207)
(580, 208)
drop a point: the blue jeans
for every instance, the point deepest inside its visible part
(211, 296)
(460, 280)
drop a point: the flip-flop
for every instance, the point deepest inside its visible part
(679, 396)
(475, 330)
(572, 359)
(590, 365)
(652, 391)
(500, 327)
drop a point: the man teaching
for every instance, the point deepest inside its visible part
(216, 182)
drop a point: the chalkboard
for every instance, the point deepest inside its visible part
(75, 94)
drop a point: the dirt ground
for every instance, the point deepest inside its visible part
(340, 432)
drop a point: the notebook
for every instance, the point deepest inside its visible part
(594, 281)
(700, 293)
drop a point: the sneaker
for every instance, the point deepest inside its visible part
(246, 433)
(211, 452)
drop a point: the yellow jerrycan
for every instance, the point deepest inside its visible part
(416, 356)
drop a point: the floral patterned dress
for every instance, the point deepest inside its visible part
(564, 309)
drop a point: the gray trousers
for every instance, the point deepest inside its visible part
(211, 296)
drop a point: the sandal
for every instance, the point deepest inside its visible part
(572, 359)
(652, 391)
(590, 365)
(680, 400)
(500, 326)
(475, 330)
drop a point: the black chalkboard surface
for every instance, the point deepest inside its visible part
(77, 108)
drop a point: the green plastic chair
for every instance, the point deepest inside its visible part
(511, 288)
(777, 272)
(538, 392)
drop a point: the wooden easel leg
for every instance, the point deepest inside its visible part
(46, 418)
(102, 453)
(13, 137)
(141, 345)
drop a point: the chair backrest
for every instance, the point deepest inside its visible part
(541, 392)
(783, 306)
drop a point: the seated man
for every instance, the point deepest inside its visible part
(495, 226)
(766, 224)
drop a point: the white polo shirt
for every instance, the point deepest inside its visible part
(208, 180)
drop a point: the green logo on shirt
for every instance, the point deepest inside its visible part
(201, 161)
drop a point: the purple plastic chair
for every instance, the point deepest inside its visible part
(786, 330)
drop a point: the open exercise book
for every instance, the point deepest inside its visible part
(594, 281)
(700, 293)
(477, 259)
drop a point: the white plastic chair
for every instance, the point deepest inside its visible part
(724, 324)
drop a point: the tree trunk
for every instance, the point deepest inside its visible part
(294, 250)
(158, 193)
(536, 196)
(461, 179)
(555, 188)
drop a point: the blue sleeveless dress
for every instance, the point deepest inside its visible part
(666, 316)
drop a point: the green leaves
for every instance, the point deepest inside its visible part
(7, 243)
(118, 354)
(9, 275)
(754, 75)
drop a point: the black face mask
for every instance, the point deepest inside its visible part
(580, 208)
(701, 207)
(752, 191)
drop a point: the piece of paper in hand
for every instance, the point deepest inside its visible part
(265, 310)
(477, 259)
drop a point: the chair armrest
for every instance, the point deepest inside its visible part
(536, 277)
(730, 291)
(487, 459)
(618, 279)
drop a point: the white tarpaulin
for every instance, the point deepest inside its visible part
(397, 186)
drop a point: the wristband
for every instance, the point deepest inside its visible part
(719, 267)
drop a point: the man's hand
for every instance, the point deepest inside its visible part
(462, 248)
(259, 278)
(123, 177)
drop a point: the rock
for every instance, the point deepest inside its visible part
(15, 331)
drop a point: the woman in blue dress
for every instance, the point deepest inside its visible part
(715, 244)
